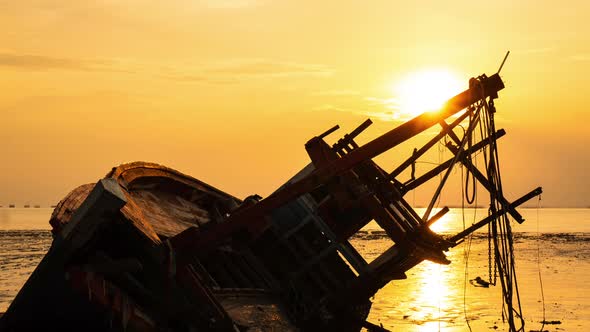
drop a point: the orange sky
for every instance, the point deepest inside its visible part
(230, 90)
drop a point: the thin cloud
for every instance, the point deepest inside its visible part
(391, 108)
(229, 4)
(540, 50)
(42, 62)
(198, 78)
(582, 57)
(269, 68)
(383, 115)
(228, 72)
(239, 70)
(39, 62)
(384, 109)
(336, 93)
(390, 103)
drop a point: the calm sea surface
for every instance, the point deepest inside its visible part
(554, 243)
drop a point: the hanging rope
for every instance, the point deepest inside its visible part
(501, 232)
(436, 197)
(500, 238)
(470, 199)
(539, 264)
(466, 251)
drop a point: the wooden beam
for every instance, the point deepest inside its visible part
(329, 131)
(442, 167)
(427, 147)
(47, 286)
(454, 239)
(480, 177)
(437, 216)
(107, 197)
(252, 218)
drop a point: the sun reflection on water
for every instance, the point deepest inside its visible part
(442, 225)
(434, 297)
(433, 293)
(428, 300)
(431, 299)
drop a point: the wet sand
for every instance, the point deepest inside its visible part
(437, 297)
(432, 298)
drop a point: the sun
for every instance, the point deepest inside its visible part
(425, 91)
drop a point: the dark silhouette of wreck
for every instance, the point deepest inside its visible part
(148, 248)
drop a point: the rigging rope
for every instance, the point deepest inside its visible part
(469, 160)
(539, 265)
(500, 237)
(466, 251)
(501, 231)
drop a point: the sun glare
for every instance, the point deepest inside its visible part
(426, 91)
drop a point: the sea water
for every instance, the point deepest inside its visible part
(552, 250)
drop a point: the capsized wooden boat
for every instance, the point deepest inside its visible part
(148, 248)
(115, 268)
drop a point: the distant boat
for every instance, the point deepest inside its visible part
(27, 206)
(11, 206)
(37, 206)
(53, 206)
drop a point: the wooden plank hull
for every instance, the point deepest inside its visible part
(86, 281)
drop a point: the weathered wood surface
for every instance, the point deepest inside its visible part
(161, 201)
(169, 201)
(34, 306)
(152, 205)
(167, 213)
(65, 208)
(102, 203)
(129, 173)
